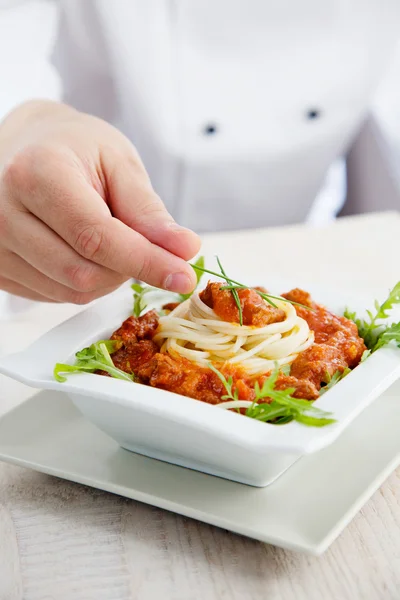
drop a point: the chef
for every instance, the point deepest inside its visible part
(129, 125)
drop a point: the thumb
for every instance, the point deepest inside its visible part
(134, 202)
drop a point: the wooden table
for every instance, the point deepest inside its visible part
(60, 540)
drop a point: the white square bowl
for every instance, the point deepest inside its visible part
(184, 431)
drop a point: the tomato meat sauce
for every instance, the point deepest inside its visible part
(337, 346)
(255, 311)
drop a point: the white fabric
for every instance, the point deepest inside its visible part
(253, 69)
(166, 70)
(27, 36)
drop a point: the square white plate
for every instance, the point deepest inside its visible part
(186, 432)
(305, 509)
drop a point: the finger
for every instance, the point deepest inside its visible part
(134, 202)
(47, 252)
(88, 227)
(16, 269)
(19, 290)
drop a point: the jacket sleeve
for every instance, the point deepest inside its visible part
(28, 30)
(373, 172)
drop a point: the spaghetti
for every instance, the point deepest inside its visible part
(194, 331)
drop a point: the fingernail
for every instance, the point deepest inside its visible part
(178, 282)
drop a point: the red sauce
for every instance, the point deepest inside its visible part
(254, 309)
(134, 329)
(337, 346)
(337, 343)
(170, 306)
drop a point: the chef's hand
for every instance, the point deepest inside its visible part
(78, 214)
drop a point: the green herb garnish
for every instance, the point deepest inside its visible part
(94, 358)
(234, 286)
(228, 384)
(374, 332)
(283, 408)
(332, 380)
(285, 369)
(139, 302)
(198, 267)
(365, 355)
(234, 292)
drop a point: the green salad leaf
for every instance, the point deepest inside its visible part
(374, 331)
(228, 384)
(285, 369)
(139, 301)
(332, 380)
(198, 267)
(283, 407)
(96, 357)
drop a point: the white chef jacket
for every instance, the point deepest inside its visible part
(240, 109)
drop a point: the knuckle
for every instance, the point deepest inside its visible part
(144, 270)
(152, 207)
(80, 298)
(23, 169)
(91, 242)
(80, 277)
(15, 171)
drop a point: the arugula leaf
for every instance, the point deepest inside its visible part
(314, 421)
(332, 380)
(388, 304)
(137, 288)
(101, 348)
(94, 358)
(267, 412)
(228, 383)
(373, 330)
(139, 302)
(390, 334)
(285, 369)
(365, 355)
(198, 267)
(296, 409)
(283, 407)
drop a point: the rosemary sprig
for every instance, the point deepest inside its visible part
(235, 285)
(283, 407)
(234, 293)
(94, 358)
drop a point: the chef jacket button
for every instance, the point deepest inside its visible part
(210, 129)
(313, 113)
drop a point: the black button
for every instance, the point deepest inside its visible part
(313, 113)
(210, 129)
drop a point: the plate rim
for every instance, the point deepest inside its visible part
(156, 499)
